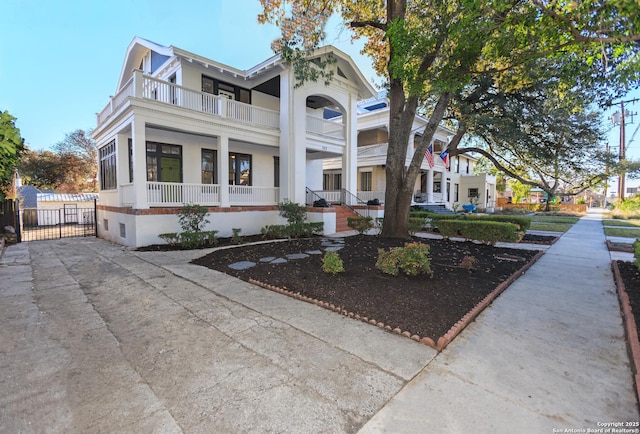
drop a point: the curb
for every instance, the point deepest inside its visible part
(631, 332)
(443, 341)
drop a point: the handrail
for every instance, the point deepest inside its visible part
(343, 200)
(313, 195)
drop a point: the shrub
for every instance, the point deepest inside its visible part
(332, 264)
(416, 224)
(468, 262)
(524, 223)
(236, 238)
(360, 224)
(274, 231)
(412, 259)
(296, 230)
(171, 238)
(636, 253)
(293, 212)
(198, 239)
(192, 218)
(486, 231)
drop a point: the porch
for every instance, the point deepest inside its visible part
(173, 194)
(149, 88)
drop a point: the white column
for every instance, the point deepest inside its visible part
(223, 170)
(350, 154)
(286, 136)
(139, 156)
(430, 186)
(411, 150)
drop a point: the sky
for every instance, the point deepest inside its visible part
(60, 59)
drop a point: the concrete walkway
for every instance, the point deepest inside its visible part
(96, 338)
(548, 354)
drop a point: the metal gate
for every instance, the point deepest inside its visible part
(72, 220)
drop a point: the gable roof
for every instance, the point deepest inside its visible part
(139, 47)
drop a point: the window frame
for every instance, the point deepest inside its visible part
(157, 154)
(237, 174)
(214, 170)
(108, 166)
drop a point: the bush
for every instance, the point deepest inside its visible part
(360, 224)
(331, 263)
(416, 224)
(171, 238)
(412, 259)
(636, 253)
(468, 262)
(192, 218)
(524, 223)
(198, 239)
(293, 212)
(296, 230)
(236, 238)
(488, 232)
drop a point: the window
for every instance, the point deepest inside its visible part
(209, 166)
(164, 162)
(332, 181)
(337, 181)
(108, 174)
(123, 230)
(467, 165)
(457, 164)
(130, 151)
(456, 192)
(239, 169)
(448, 191)
(217, 87)
(366, 181)
(276, 171)
(473, 192)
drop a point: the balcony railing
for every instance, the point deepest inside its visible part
(146, 87)
(179, 194)
(324, 127)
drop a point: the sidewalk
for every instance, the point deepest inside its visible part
(548, 354)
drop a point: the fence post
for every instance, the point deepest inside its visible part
(95, 217)
(17, 220)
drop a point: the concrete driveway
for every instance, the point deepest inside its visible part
(96, 338)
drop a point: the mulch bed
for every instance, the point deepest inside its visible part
(423, 307)
(628, 285)
(631, 278)
(539, 239)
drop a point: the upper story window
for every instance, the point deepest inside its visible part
(217, 87)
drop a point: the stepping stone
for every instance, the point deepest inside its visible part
(242, 265)
(279, 261)
(333, 248)
(267, 259)
(297, 256)
(313, 252)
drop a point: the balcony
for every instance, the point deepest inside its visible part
(179, 194)
(151, 89)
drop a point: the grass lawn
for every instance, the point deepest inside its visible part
(552, 227)
(622, 232)
(627, 223)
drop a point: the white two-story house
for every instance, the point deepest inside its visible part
(446, 184)
(181, 128)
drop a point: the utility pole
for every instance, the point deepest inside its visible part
(618, 118)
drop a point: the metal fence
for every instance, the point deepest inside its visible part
(72, 220)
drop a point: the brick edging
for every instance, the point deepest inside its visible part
(612, 248)
(631, 331)
(454, 331)
(443, 341)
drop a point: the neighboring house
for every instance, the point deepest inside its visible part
(181, 128)
(57, 208)
(441, 184)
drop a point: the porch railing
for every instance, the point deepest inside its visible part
(366, 196)
(178, 194)
(144, 86)
(324, 127)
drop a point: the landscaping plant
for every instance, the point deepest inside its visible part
(413, 259)
(360, 224)
(236, 238)
(332, 264)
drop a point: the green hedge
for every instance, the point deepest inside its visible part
(360, 224)
(488, 232)
(636, 253)
(295, 230)
(524, 223)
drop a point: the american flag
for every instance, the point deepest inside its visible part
(429, 155)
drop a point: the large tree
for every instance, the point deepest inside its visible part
(431, 52)
(72, 168)
(79, 149)
(11, 146)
